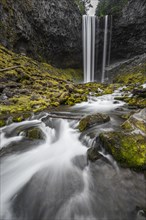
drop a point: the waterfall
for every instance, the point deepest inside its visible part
(91, 27)
(89, 47)
(104, 49)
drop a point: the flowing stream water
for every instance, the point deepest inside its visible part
(51, 179)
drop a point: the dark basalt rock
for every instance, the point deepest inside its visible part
(48, 30)
(128, 34)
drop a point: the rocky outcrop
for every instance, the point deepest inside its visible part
(128, 35)
(46, 30)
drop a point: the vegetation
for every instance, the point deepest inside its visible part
(83, 5)
(30, 86)
(110, 7)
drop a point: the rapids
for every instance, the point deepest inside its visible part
(51, 179)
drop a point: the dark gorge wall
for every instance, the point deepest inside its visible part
(129, 31)
(43, 29)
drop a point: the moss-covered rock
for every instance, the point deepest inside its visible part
(34, 133)
(128, 146)
(91, 120)
(128, 149)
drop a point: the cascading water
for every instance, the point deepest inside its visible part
(89, 47)
(90, 33)
(51, 178)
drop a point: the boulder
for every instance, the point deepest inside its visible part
(128, 149)
(34, 133)
(91, 120)
(128, 146)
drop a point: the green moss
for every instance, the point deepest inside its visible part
(2, 123)
(128, 149)
(109, 89)
(51, 86)
(34, 133)
(55, 104)
(139, 102)
(136, 75)
(127, 125)
(18, 119)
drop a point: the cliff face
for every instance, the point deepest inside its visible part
(129, 31)
(46, 29)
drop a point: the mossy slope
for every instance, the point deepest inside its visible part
(32, 86)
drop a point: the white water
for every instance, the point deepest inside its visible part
(91, 30)
(56, 156)
(53, 181)
(103, 104)
(89, 23)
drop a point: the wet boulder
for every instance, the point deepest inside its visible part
(128, 149)
(91, 120)
(93, 154)
(34, 133)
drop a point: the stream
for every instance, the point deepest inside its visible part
(51, 178)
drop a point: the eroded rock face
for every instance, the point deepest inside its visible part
(49, 30)
(128, 37)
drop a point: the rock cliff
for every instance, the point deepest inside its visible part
(129, 31)
(49, 30)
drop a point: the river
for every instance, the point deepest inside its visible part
(51, 178)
